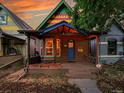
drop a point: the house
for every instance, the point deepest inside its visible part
(11, 42)
(112, 44)
(57, 40)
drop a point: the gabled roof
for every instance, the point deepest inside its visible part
(118, 24)
(20, 23)
(63, 23)
(53, 12)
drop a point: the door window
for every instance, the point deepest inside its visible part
(71, 44)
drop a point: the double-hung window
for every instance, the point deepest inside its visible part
(49, 47)
(112, 47)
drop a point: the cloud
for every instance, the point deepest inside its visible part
(24, 6)
(31, 11)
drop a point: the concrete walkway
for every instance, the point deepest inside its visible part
(86, 85)
(80, 70)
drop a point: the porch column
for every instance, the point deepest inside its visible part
(28, 54)
(97, 51)
(97, 46)
(54, 48)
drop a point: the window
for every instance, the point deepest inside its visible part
(112, 47)
(49, 47)
(3, 19)
(58, 47)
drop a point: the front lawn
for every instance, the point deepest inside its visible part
(111, 79)
(44, 81)
(38, 87)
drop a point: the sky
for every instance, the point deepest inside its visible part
(32, 11)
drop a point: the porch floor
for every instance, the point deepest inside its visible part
(72, 69)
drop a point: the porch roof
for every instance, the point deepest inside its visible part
(61, 24)
(59, 28)
(6, 35)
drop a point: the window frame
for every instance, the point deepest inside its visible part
(114, 47)
(47, 39)
(5, 17)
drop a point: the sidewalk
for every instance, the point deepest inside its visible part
(86, 85)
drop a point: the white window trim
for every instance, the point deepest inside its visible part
(119, 43)
(109, 56)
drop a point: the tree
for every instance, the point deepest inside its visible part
(96, 14)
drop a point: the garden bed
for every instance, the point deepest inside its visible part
(111, 79)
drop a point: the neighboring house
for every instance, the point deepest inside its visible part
(11, 42)
(112, 44)
(57, 40)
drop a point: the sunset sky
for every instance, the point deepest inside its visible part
(32, 11)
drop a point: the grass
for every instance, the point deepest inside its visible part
(111, 79)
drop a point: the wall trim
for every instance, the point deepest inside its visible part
(109, 56)
(107, 43)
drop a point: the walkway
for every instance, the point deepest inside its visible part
(80, 70)
(86, 85)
